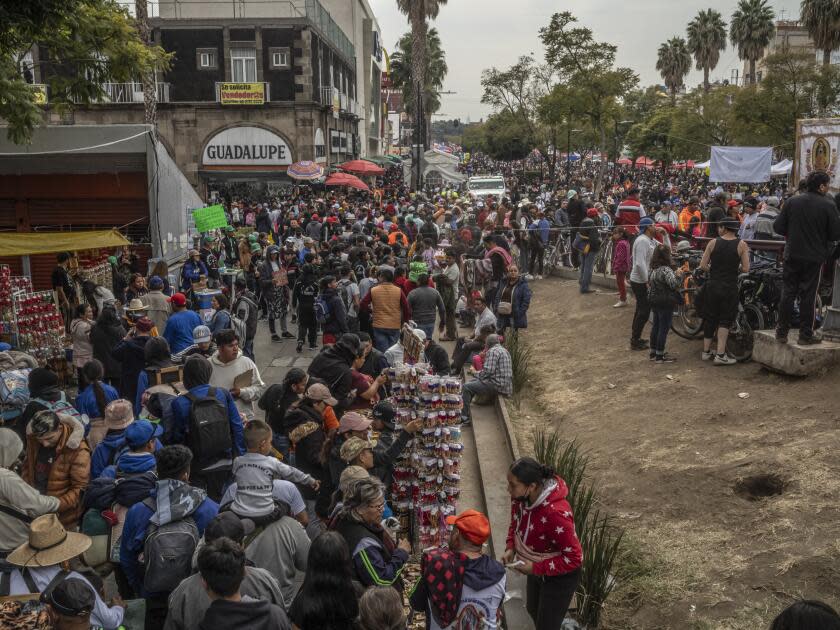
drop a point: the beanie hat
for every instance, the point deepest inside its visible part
(41, 380)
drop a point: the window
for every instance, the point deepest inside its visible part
(206, 58)
(243, 65)
(279, 57)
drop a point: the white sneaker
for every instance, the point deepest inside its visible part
(724, 359)
(620, 304)
(707, 356)
(539, 277)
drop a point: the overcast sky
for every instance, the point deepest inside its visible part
(479, 34)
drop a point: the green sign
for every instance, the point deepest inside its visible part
(209, 218)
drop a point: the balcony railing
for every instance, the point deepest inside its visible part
(325, 95)
(131, 92)
(255, 93)
(321, 18)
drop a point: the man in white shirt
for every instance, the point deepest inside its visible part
(643, 248)
(666, 214)
(229, 364)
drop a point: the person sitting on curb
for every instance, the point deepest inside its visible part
(45, 561)
(58, 462)
(478, 589)
(190, 601)
(496, 377)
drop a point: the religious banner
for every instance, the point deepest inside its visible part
(817, 143)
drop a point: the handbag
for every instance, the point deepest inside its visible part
(504, 308)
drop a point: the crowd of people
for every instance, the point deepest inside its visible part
(215, 498)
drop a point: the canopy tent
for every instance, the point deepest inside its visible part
(644, 162)
(444, 165)
(703, 165)
(396, 160)
(361, 167)
(381, 160)
(781, 168)
(345, 179)
(32, 243)
(625, 161)
(683, 165)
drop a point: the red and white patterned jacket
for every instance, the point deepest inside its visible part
(544, 532)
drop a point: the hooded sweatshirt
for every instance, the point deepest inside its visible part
(106, 452)
(249, 613)
(18, 496)
(175, 500)
(544, 532)
(224, 375)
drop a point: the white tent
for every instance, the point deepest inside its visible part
(782, 168)
(702, 165)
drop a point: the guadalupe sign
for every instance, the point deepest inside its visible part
(246, 146)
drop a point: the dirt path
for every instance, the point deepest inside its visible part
(674, 458)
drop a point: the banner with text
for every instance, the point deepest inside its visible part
(242, 93)
(209, 218)
(740, 164)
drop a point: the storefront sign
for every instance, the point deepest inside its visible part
(242, 93)
(246, 146)
(209, 218)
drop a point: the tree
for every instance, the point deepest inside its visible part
(418, 11)
(473, 138)
(83, 44)
(673, 62)
(141, 11)
(822, 19)
(587, 67)
(702, 120)
(402, 63)
(506, 137)
(706, 40)
(751, 30)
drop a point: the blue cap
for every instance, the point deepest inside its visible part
(155, 283)
(140, 432)
(4, 347)
(646, 222)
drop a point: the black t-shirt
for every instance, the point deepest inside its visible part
(61, 280)
(716, 215)
(43, 463)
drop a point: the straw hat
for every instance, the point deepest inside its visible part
(49, 544)
(136, 305)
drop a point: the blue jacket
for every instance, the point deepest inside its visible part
(520, 301)
(134, 532)
(181, 417)
(106, 452)
(190, 273)
(541, 226)
(131, 463)
(179, 329)
(221, 321)
(86, 400)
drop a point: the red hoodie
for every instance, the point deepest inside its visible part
(544, 533)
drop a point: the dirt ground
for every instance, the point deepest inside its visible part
(673, 459)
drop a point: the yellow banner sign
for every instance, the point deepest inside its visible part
(40, 92)
(242, 93)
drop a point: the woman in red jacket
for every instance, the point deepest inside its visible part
(542, 542)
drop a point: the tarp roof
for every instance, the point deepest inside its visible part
(31, 243)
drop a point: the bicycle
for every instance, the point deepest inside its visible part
(558, 256)
(687, 322)
(603, 260)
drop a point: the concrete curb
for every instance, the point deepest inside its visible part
(512, 442)
(605, 282)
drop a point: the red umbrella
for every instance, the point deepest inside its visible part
(625, 161)
(345, 179)
(362, 167)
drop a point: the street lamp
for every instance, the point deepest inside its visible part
(569, 154)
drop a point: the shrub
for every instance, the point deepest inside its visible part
(520, 358)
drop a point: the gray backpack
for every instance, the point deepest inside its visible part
(168, 552)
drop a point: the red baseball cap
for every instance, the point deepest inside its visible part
(472, 524)
(178, 299)
(733, 202)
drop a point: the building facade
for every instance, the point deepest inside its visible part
(253, 86)
(791, 36)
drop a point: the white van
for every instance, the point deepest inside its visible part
(482, 185)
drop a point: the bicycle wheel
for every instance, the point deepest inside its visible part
(688, 323)
(739, 344)
(608, 257)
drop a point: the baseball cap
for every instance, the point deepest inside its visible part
(351, 449)
(472, 524)
(155, 282)
(732, 203)
(140, 432)
(571, 194)
(71, 597)
(228, 525)
(645, 222)
(320, 393)
(178, 299)
(352, 421)
(201, 334)
(385, 413)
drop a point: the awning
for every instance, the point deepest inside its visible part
(31, 243)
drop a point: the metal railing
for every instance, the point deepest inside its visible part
(239, 99)
(321, 18)
(325, 93)
(131, 92)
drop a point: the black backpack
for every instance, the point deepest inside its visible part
(209, 427)
(167, 552)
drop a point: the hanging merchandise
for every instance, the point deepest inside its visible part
(94, 266)
(9, 285)
(427, 480)
(39, 325)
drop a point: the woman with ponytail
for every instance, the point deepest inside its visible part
(542, 542)
(93, 399)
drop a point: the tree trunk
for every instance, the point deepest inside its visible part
(752, 71)
(673, 97)
(706, 79)
(141, 9)
(602, 167)
(827, 57)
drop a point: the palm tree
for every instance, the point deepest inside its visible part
(706, 40)
(402, 63)
(418, 11)
(673, 63)
(751, 30)
(822, 19)
(141, 11)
